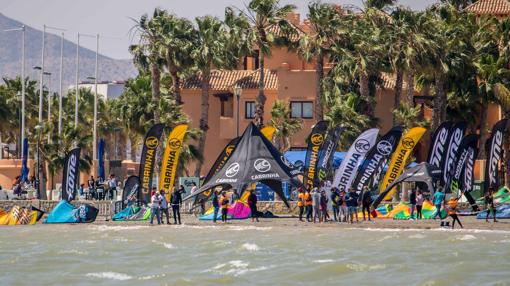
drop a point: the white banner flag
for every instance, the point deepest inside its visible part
(354, 157)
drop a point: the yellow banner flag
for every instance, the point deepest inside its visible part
(171, 158)
(398, 159)
(268, 132)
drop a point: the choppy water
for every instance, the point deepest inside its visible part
(201, 255)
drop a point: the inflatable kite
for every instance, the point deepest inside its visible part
(64, 212)
(20, 215)
(502, 211)
(402, 211)
(133, 213)
(239, 210)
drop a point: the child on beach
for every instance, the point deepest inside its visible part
(419, 204)
(452, 211)
(489, 204)
(224, 207)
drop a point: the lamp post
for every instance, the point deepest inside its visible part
(49, 103)
(237, 92)
(22, 29)
(61, 90)
(38, 161)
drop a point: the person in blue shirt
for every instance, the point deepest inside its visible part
(438, 202)
(216, 204)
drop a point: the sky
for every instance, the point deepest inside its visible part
(113, 19)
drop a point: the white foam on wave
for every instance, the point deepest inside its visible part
(110, 275)
(250, 247)
(73, 251)
(360, 267)
(102, 228)
(169, 246)
(149, 277)
(320, 261)
(417, 236)
(439, 229)
(87, 241)
(234, 268)
(465, 237)
(224, 227)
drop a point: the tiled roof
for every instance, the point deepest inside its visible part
(496, 7)
(293, 37)
(227, 79)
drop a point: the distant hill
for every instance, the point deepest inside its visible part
(10, 55)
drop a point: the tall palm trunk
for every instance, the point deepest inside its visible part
(156, 76)
(398, 91)
(483, 130)
(365, 91)
(439, 103)
(506, 153)
(204, 117)
(410, 88)
(318, 88)
(261, 97)
(176, 85)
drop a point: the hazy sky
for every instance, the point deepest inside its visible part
(114, 17)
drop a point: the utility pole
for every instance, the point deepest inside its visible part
(42, 75)
(60, 85)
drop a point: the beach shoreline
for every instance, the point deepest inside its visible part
(290, 222)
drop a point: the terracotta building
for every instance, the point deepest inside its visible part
(288, 78)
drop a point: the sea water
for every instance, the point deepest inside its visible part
(248, 255)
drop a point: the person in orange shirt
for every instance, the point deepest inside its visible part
(224, 207)
(308, 203)
(452, 211)
(301, 203)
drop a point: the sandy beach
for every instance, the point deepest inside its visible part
(291, 222)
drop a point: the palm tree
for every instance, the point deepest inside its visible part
(342, 112)
(176, 46)
(266, 17)
(211, 50)
(324, 20)
(147, 54)
(285, 126)
(406, 45)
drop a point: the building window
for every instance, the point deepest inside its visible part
(301, 109)
(249, 109)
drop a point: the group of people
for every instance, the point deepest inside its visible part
(345, 205)
(221, 200)
(160, 202)
(98, 189)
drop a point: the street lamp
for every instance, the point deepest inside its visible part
(237, 92)
(22, 29)
(49, 102)
(94, 127)
(38, 163)
(40, 92)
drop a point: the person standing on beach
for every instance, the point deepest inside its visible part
(309, 206)
(176, 201)
(489, 204)
(324, 206)
(352, 205)
(164, 207)
(419, 204)
(301, 203)
(234, 197)
(412, 201)
(224, 207)
(316, 199)
(155, 205)
(252, 202)
(452, 211)
(366, 201)
(335, 199)
(438, 202)
(344, 210)
(215, 204)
